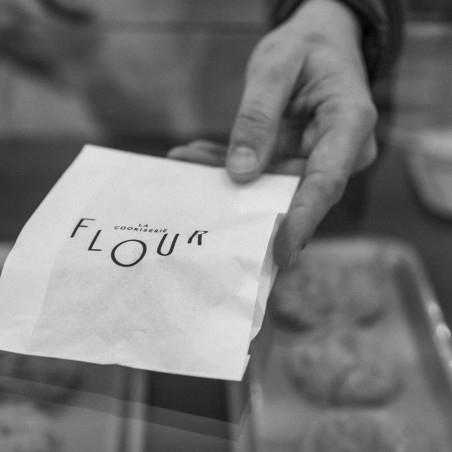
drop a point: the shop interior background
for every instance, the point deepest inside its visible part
(152, 73)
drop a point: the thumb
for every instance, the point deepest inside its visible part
(255, 129)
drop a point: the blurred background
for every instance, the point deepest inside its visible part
(147, 74)
(154, 67)
(137, 68)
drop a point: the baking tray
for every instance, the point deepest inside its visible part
(414, 327)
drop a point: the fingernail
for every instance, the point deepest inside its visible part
(242, 160)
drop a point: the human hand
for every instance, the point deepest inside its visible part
(49, 38)
(306, 98)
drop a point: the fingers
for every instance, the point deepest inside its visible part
(213, 154)
(270, 79)
(327, 171)
(200, 151)
(293, 167)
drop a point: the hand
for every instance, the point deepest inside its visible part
(306, 98)
(49, 38)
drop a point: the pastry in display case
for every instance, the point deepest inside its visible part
(355, 293)
(338, 369)
(24, 428)
(366, 364)
(309, 311)
(360, 432)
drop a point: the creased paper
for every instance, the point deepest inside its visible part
(144, 262)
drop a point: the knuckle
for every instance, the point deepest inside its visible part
(315, 39)
(331, 185)
(355, 109)
(368, 111)
(276, 74)
(272, 59)
(365, 112)
(268, 71)
(336, 187)
(269, 45)
(256, 115)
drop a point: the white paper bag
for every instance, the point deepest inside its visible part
(144, 262)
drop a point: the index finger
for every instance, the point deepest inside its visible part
(327, 172)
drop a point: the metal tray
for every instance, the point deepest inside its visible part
(414, 326)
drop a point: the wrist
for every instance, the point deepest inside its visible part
(331, 18)
(331, 23)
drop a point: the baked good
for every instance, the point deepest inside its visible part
(358, 431)
(354, 432)
(364, 293)
(338, 369)
(300, 298)
(373, 380)
(316, 291)
(23, 428)
(319, 366)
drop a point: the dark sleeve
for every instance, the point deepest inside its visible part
(381, 21)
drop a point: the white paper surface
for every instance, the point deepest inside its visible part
(144, 262)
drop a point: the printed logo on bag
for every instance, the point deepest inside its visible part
(165, 247)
